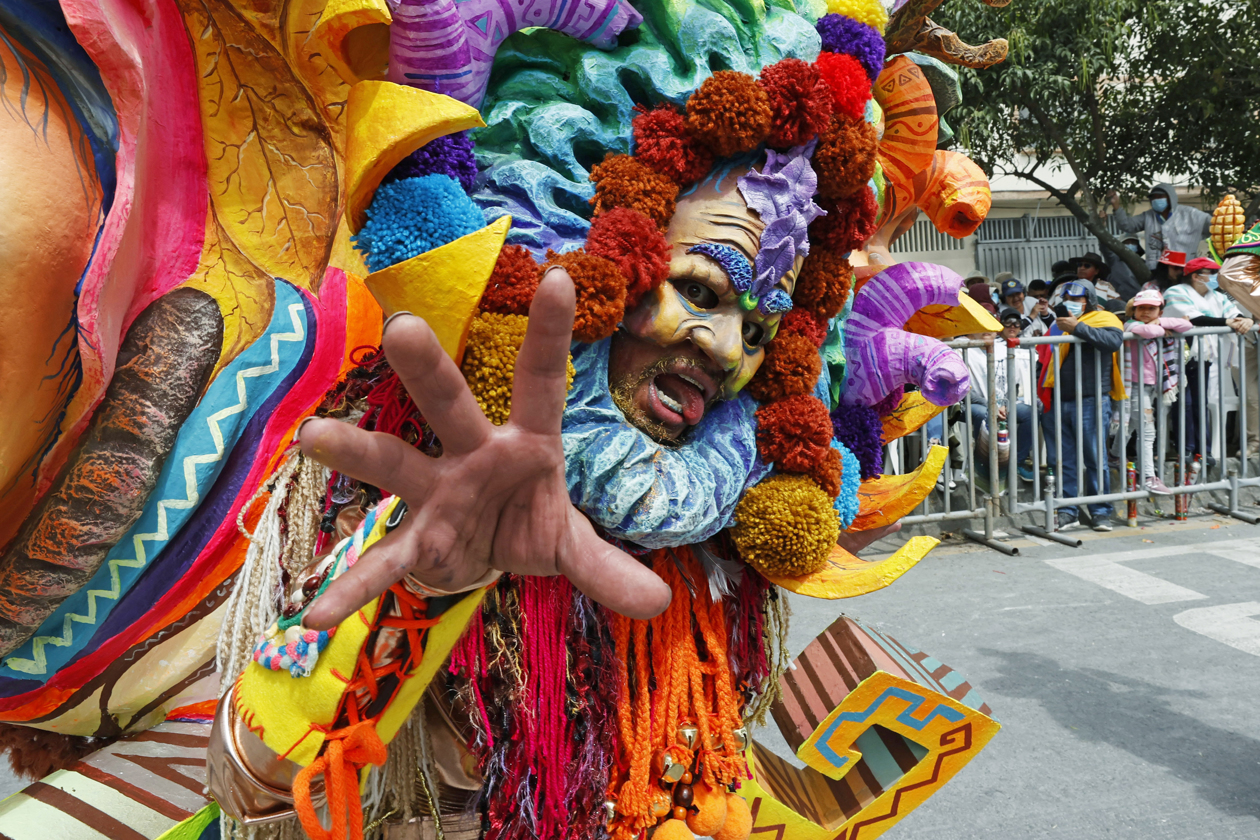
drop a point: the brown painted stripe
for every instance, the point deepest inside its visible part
(807, 664)
(144, 797)
(897, 748)
(857, 657)
(165, 767)
(921, 674)
(82, 811)
(783, 782)
(838, 662)
(873, 788)
(178, 739)
(843, 793)
(799, 692)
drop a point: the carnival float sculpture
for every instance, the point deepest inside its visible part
(214, 206)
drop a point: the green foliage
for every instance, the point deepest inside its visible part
(1116, 91)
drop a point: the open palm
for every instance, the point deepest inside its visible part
(496, 498)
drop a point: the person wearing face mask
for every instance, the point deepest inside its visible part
(1169, 226)
(1154, 372)
(1198, 300)
(1102, 335)
(1121, 277)
(1093, 268)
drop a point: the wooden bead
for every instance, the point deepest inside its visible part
(311, 585)
(684, 795)
(686, 778)
(680, 813)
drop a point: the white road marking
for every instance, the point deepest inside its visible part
(1106, 571)
(1245, 551)
(1228, 623)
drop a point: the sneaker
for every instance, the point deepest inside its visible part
(1157, 487)
(1101, 524)
(1026, 474)
(1068, 522)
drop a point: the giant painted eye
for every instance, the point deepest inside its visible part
(754, 333)
(696, 293)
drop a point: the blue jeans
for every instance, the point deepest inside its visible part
(1097, 478)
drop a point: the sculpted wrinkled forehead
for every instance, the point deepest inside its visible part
(714, 211)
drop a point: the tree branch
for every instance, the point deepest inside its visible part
(1095, 226)
(1056, 134)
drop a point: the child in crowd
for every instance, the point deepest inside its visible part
(1154, 371)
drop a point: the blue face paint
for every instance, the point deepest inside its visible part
(1159, 205)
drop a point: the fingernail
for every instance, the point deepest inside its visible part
(385, 326)
(297, 435)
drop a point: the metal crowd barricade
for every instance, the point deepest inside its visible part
(1046, 495)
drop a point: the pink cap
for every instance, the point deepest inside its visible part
(1148, 297)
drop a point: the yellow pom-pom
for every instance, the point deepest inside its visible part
(738, 825)
(673, 830)
(489, 363)
(712, 813)
(870, 12)
(786, 526)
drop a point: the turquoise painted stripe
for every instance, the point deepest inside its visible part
(877, 757)
(952, 680)
(204, 443)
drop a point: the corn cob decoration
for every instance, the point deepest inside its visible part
(1228, 223)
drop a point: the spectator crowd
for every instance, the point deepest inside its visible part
(1135, 362)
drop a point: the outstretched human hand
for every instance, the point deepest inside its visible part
(496, 498)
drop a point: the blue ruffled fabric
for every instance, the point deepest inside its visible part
(639, 490)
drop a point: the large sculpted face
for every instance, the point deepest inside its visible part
(691, 343)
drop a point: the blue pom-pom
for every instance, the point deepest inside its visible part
(414, 215)
(850, 479)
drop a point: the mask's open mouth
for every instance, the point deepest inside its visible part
(678, 398)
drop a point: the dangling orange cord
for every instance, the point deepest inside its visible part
(348, 751)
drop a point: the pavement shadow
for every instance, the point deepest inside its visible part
(1137, 717)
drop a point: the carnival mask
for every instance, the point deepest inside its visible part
(693, 341)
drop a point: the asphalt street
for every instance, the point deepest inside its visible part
(1125, 674)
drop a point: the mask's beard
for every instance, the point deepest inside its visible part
(623, 392)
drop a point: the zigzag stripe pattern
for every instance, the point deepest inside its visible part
(38, 663)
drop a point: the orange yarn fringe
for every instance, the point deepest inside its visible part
(682, 653)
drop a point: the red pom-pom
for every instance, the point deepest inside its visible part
(846, 156)
(804, 323)
(513, 283)
(850, 86)
(848, 224)
(601, 293)
(824, 283)
(635, 245)
(661, 141)
(791, 366)
(800, 102)
(729, 113)
(793, 433)
(625, 181)
(828, 471)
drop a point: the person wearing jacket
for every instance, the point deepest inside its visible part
(1154, 368)
(1168, 225)
(1012, 389)
(1102, 335)
(1122, 278)
(1196, 300)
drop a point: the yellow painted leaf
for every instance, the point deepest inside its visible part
(909, 416)
(945, 322)
(245, 293)
(846, 575)
(884, 500)
(272, 171)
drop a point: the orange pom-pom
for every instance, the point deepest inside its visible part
(712, 814)
(794, 433)
(791, 367)
(828, 472)
(848, 223)
(601, 293)
(845, 157)
(622, 181)
(730, 113)
(800, 321)
(675, 829)
(661, 141)
(738, 825)
(512, 283)
(800, 102)
(635, 245)
(823, 284)
(850, 86)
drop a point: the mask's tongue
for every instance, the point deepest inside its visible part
(683, 393)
